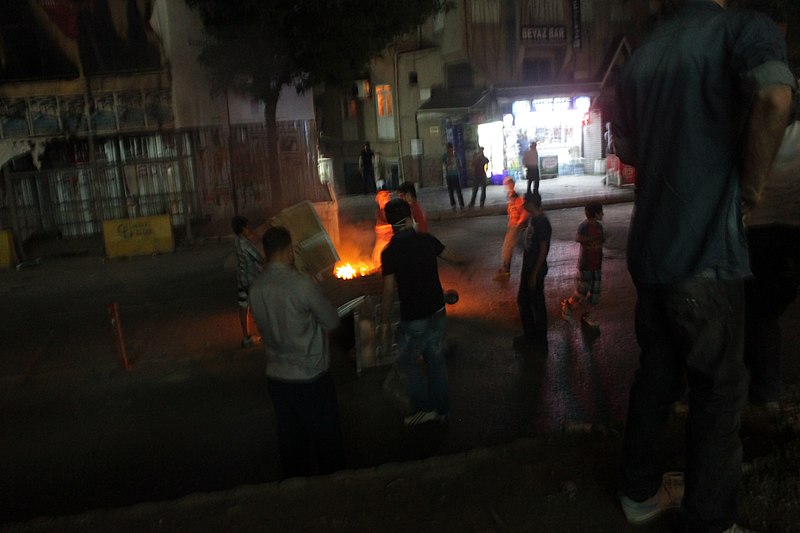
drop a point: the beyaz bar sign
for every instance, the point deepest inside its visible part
(544, 34)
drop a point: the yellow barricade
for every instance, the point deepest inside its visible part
(138, 236)
(8, 256)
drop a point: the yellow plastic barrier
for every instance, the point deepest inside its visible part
(8, 256)
(138, 236)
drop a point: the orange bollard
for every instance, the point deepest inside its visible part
(117, 325)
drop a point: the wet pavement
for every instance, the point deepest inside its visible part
(192, 415)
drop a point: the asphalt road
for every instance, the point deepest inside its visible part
(78, 432)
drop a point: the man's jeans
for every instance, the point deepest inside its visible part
(692, 329)
(532, 307)
(424, 337)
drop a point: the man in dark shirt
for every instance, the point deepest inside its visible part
(530, 297)
(702, 107)
(409, 266)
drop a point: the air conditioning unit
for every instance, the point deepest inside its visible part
(361, 89)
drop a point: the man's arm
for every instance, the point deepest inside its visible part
(769, 115)
(451, 257)
(322, 309)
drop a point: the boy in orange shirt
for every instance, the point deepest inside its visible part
(517, 218)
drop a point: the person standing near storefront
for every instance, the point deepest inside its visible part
(703, 104)
(479, 165)
(452, 175)
(530, 160)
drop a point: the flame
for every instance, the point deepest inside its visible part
(348, 270)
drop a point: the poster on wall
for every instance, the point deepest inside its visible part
(130, 109)
(13, 118)
(104, 118)
(73, 113)
(158, 106)
(44, 115)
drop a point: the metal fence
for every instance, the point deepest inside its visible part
(132, 177)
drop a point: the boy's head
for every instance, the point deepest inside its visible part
(407, 191)
(508, 182)
(593, 211)
(397, 212)
(239, 223)
(533, 202)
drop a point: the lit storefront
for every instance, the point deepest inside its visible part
(567, 131)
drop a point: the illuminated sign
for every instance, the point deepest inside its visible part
(544, 34)
(552, 104)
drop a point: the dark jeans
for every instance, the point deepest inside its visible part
(307, 419)
(692, 329)
(532, 174)
(775, 260)
(454, 186)
(532, 308)
(478, 182)
(427, 389)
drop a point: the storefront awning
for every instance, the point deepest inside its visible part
(447, 102)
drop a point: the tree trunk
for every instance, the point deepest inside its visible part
(273, 163)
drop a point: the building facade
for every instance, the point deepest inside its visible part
(113, 91)
(494, 73)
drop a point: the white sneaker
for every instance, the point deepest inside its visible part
(423, 417)
(668, 496)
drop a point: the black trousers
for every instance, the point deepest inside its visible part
(307, 420)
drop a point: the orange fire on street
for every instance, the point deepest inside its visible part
(350, 270)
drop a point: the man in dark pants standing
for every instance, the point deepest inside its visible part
(366, 163)
(683, 98)
(530, 297)
(410, 269)
(530, 160)
(479, 163)
(294, 317)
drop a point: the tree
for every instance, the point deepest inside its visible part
(260, 46)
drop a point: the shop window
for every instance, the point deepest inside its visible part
(535, 70)
(459, 75)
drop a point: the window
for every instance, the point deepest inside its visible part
(459, 75)
(535, 70)
(385, 112)
(485, 11)
(349, 107)
(384, 100)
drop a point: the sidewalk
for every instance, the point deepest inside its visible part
(557, 193)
